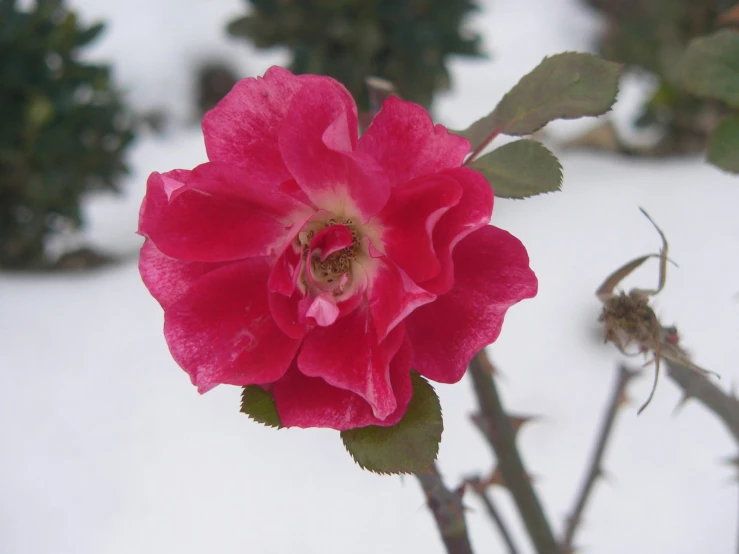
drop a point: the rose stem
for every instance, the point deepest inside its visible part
(694, 385)
(595, 469)
(448, 512)
(501, 437)
(476, 152)
(479, 488)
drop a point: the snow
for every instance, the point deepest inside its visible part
(108, 449)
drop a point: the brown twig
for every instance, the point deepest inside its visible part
(479, 488)
(595, 469)
(448, 512)
(501, 436)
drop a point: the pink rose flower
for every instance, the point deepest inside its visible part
(324, 266)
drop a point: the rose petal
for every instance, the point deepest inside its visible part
(317, 148)
(217, 215)
(285, 273)
(472, 212)
(491, 273)
(351, 303)
(347, 355)
(393, 296)
(221, 179)
(311, 402)
(174, 180)
(338, 136)
(242, 129)
(287, 314)
(158, 191)
(323, 310)
(221, 330)
(330, 240)
(168, 279)
(406, 143)
(291, 188)
(408, 221)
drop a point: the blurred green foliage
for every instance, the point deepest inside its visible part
(406, 42)
(710, 70)
(653, 35)
(64, 127)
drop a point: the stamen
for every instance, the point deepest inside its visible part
(335, 270)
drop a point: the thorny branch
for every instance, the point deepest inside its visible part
(479, 488)
(448, 512)
(501, 436)
(698, 386)
(595, 469)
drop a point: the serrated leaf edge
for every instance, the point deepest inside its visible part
(464, 132)
(402, 472)
(552, 154)
(265, 423)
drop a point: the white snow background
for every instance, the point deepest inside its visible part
(106, 448)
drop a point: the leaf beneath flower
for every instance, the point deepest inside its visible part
(710, 67)
(565, 86)
(258, 404)
(408, 447)
(723, 148)
(521, 169)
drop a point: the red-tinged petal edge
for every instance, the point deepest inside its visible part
(406, 143)
(472, 212)
(221, 330)
(491, 273)
(311, 402)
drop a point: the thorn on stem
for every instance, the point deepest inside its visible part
(681, 403)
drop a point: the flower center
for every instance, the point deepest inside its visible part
(329, 247)
(339, 262)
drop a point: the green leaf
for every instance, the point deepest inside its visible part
(723, 148)
(521, 169)
(565, 86)
(710, 67)
(408, 447)
(258, 404)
